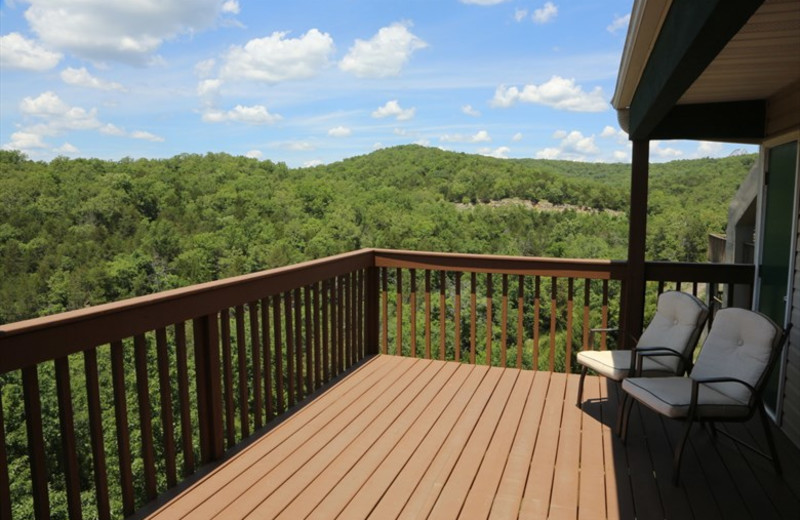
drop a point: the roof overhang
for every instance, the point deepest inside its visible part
(708, 69)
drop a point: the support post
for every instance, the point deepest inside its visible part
(633, 299)
(209, 387)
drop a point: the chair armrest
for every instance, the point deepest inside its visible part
(643, 352)
(710, 380)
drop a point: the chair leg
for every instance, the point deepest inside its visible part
(676, 462)
(712, 426)
(770, 440)
(624, 418)
(584, 369)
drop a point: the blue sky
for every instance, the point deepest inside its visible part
(310, 82)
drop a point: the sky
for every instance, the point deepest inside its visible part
(312, 82)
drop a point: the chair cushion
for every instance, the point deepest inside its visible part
(671, 396)
(614, 364)
(676, 325)
(739, 346)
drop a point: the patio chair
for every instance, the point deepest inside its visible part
(725, 385)
(674, 329)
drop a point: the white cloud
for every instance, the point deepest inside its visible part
(377, 146)
(24, 141)
(294, 146)
(520, 14)
(82, 78)
(545, 14)
(482, 136)
(609, 132)
(312, 163)
(111, 129)
(339, 131)
(574, 146)
(517, 137)
(231, 7)
(18, 52)
(392, 108)
(254, 154)
(663, 153)
(422, 142)
(129, 31)
(275, 58)
(384, 54)
(621, 156)
(208, 88)
(620, 22)
(708, 149)
(499, 153)
(559, 93)
(467, 109)
(254, 115)
(204, 68)
(66, 148)
(147, 136)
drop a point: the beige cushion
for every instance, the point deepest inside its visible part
(739, 346)
(676, 325)
(671, 396)
(614, 364)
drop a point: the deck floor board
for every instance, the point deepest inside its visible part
(416, 438)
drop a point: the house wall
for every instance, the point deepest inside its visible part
(791, 394)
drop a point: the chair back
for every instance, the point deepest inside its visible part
(677, 324)
(741, 344)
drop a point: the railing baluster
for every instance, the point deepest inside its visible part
(586, 302)
(384, 311)
(5, 482)
(413, 303)
(678, 285)
(553, 317)
(276, 325)
(359, 307)
(504, 322)
(473, 300)
(694, 288)
(145, 417)
(427, 314)
(241, 357)
(335, 357)
(33, 422)
(568, 354)
(167, 420)
(67, 430)
(123, 435)
(298, 345)
(287, 318)
(340, 325)
(183, 398)
(660, 286)
(489, 333)
(95, 434)
(457, 318)
(227, 376)
(520, 316)
(266, 344)
(442, 315)
(399, 313)
(604, 334)
(309, 340)
(317, 338)
(326, 350)
(351, 322)
(536, 316)
(255, 355)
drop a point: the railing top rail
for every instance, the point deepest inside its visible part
(40, 339)
(525, 265)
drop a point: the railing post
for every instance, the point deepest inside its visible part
(632, 314)
(372, 315)
(209, 388)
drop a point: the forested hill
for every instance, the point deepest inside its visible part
(77, 232)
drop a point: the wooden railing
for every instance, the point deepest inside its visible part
(208, 365)
(186, 375)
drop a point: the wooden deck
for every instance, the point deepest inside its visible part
(412, 438)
